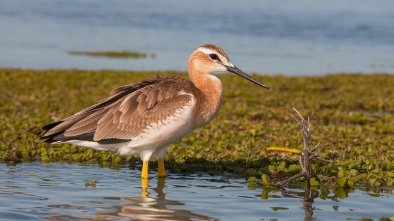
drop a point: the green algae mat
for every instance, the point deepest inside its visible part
(352, 116)
(113, 54)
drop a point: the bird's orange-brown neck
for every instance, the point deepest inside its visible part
(210, 93)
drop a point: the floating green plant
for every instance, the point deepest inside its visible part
(352, 116)
(113, 54)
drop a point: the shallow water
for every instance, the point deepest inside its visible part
(61, 191)
(269, 37)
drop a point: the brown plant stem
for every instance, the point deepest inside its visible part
(309, 154)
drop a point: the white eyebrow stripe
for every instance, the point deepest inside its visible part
(206, 51)
(222, 58)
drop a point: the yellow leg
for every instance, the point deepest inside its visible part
(161, 170)
(145, 171)
(144, 185)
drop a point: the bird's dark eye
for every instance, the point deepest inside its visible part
(214, 57)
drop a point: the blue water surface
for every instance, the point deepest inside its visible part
(62, 191)
(303, 37)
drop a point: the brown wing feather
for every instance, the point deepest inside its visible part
(137, 114)
(87, 124)
(120, 92)
(129, 111)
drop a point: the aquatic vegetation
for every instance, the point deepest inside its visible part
(352, 116)
(113, 54)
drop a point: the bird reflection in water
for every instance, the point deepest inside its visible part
(151, 208)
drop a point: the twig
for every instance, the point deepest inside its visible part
(309, 154)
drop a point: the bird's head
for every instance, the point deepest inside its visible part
(209, 58)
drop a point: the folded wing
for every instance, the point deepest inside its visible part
(126, 114)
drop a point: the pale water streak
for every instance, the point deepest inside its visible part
(306, 37)
(59, 191)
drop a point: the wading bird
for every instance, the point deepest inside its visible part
(145, 117)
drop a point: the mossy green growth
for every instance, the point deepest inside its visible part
(266, 180)
(352, 115)
(113, 54)
(314, 182)
(252, 179)
(92, 183)
(385, 219)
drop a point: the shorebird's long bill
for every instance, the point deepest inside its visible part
(240, 73)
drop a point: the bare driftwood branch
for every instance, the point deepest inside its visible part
(309, 154)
